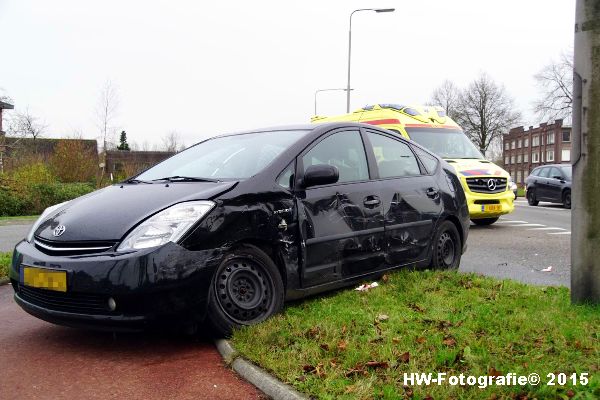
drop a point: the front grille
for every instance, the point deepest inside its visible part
(65, 301)
(481, 185)
(72, 248)
(487, 201)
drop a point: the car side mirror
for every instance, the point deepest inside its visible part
(558, 177)
(321, 174)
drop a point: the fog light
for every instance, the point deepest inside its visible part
(112, 304)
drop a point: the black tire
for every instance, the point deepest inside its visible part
(566, 199)
(531, 200)
(246, 289)
(447, 247)
(484, 221)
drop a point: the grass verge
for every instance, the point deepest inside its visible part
(16, 220)
(5, 259)
(359, 344)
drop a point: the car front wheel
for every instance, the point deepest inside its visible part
(447, 247)
(246, 289)
(531, 200)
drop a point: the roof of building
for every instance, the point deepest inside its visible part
(6, 106)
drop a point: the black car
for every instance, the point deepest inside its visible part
(549, 183)
(230, 228)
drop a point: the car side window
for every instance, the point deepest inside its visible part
(394, 158)
(344, 150)
(555, 172)
(285, 178)
(428, 160)
(544, 172)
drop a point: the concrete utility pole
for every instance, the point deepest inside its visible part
(585, 214)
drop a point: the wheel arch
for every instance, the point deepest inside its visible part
(456, 222)
(270, 250)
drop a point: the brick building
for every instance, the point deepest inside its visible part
(525, 149)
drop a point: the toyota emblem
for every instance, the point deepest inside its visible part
(491, 184)
(59, 230)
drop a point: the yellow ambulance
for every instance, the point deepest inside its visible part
(486, 185)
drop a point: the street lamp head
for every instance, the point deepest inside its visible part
(382, 10)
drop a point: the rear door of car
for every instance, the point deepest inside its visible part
(411, 199)
(541, 184)
(341, 224)
(555, 184)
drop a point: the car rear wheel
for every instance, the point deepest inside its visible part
(567, 199)
(484, 221)
(246, 289)
(447, 248)
(531, 200)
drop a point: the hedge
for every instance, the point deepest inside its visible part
(34, 198)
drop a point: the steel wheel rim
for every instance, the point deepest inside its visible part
(244, 291)
(446, 249)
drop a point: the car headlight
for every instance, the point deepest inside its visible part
(166, 226)
(48, 212)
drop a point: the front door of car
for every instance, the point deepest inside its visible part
(341, 224)
(411, 200)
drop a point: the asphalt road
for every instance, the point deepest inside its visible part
(523, 244)
(43, 361)
(13, 233)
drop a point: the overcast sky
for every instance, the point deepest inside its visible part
(205, 68)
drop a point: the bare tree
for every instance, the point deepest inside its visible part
(485, 112)
(26, 125)
(555, 83)
(106, 112)
(172, 142)
(446, 96)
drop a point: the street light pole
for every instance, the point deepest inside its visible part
(325, 90)
(377, 10)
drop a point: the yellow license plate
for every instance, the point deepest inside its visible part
(45, 278)
(492, 207)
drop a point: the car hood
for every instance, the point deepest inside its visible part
(108, 214)
(474, 167)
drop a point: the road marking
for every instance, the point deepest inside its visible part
(542, 208)
(558, 233)
(528, 225)
(547, 229)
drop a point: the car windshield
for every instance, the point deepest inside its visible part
(568, 171)
(226, 157)
(446, 143)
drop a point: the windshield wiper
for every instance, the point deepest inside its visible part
(134, 180)
(178, 178)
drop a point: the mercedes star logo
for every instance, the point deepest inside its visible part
(491, 184)
(59, 230)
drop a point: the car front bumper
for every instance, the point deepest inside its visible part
(477, 203)
(168, 283)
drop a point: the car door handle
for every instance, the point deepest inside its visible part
(432, 192)
(371, 201)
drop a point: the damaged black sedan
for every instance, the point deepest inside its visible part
(224, 232)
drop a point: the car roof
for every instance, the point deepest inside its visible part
(300, 127)
(554, 165)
